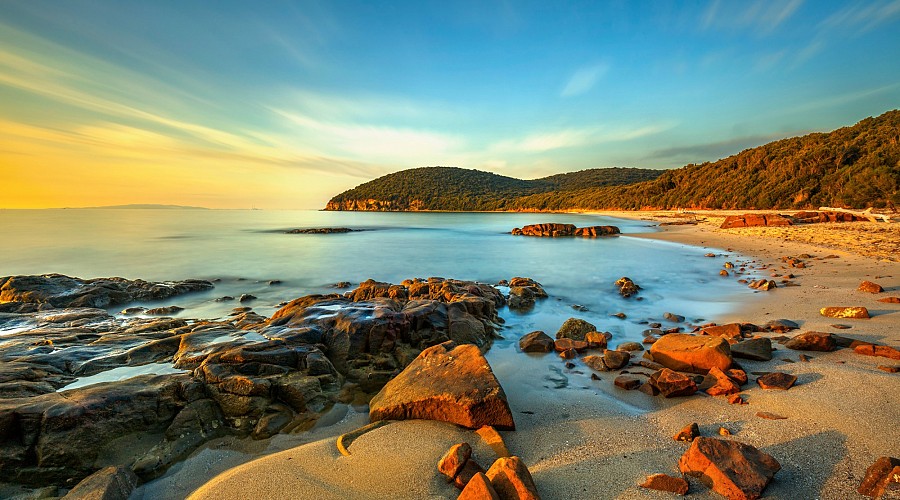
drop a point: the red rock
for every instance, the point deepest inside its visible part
(736, 399)
(511, 479)
(739, 376)
(877, 350)
(776, 380)
(724, 432)
(596, 340)
(663, 482)
(751, 220)
(536, 342)
(649, 389)
(494, 440)
(877, 476)
(845, 312)
(470, 469)
(453, 461)
(627, 382)
(615, 360)
(812, 341)
(564, 344)
(735, 470)
(889, 369)
(689, 433)
(769, 416)
(673, 384)
(449, 383)
(890, 300)
(691, 353)
(568, 354)
(723, 386)
(478, 488)
(731, 331)
(868, 286)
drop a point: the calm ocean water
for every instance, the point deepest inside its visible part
(245, 249)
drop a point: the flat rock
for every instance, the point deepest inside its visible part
(758, 349)
(877, 350)
(575, 329)
(890, 300)
(665, 482)
(870, 287)
(109, 483)
(536, 342)
(564, 344)
(769, 416)
(731, 331)
(776, 380)
(449, 383)
(845, 312)
(812, 341)
(735, 470)
(510, 478)
(691, 353)
(627, 382)
(781, 325)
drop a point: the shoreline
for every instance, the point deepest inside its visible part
(601, 441)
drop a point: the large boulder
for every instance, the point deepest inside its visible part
(575, 329)
(691, 353)
(735, 470)
(447, 382)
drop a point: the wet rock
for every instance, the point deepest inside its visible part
(271, 424)
(320, 230)
(478, 488)
(595, 363)
(691, 353)
(723, 386)
(689, 432)
(561, 230)
(630, 346)
(870, 287)
(575, 328)
(449, 383)
(615, 360)
(564, 344)
(877, 350)
(568, 354)
(537, 341)
(675, 318)
(627, 382)
(845, 312)
(510, 478)
(58, 290)
(246, 297)
(453, 461)
(776, 380)
(735, 470)
(109, 483)
(597, 340)
(672, 384)
(341, 284)
(812, 341)
(664, 482)
(763, 284)
(626, 287)
(523, 292)
(163, 311)
(758, 349)
(878, 476)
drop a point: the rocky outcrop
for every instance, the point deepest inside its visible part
(626, 287)
(446, 382)
(554, 230)
(523, 292)
(811, 217)
(751, 220)
(735, 470)
(109, 483)
(691, 353)
(57, 290)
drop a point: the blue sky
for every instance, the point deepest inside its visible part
(282, 104)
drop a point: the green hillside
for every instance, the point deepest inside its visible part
(857, 167)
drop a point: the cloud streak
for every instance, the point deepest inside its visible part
(584, 79)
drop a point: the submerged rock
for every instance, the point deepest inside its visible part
(555, 230)
(447, 382)
(626, 287)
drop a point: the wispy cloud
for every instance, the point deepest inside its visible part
(862, 17)
(761, 15)
(577, 137)
(584, 79)
(711, 151)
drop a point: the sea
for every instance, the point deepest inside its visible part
(251, 252)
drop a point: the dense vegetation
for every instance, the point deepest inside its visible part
(856, 167)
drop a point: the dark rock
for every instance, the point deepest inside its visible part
(615, 360)
(758, 349)
(630, 346)
(781, 325)
(469, 470)
(523, 292)
(735, 470)
(449, 383)
(812, 341)
(321, 230)
(575, 328)
(776, 380)
(675, 318)
(564, 344)
(109, 483)
(537, 341)
(627, 382)
(689, 432)
(64, 291)
(561, 230)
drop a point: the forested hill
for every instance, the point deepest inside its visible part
(857, 167)
(459, 189)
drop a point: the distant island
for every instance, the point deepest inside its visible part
(145, 206)
(853, 167)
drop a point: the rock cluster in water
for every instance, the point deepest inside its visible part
(559, 230)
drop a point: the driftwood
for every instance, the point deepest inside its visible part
(867, 213)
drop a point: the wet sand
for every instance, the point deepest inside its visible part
(592, 440)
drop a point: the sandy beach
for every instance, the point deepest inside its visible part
(599, 441)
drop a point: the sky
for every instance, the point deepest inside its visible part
(281, 105)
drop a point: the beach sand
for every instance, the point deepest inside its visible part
(597, 441)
